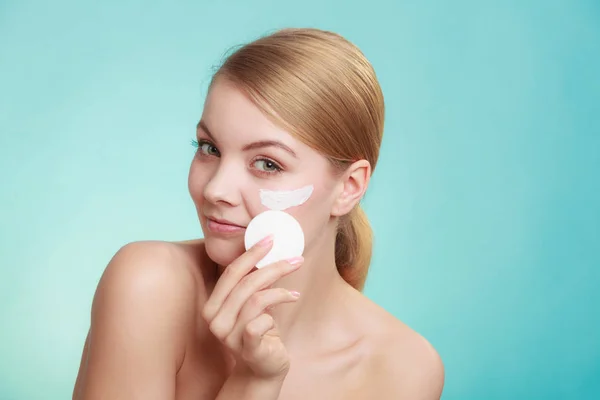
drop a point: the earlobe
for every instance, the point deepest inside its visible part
(353, 183)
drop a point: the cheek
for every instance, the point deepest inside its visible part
(251, 196)
(197, 180)
(314, 215)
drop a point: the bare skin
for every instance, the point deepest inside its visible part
(363, 353)
(194, 320)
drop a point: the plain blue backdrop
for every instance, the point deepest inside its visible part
(485, 204)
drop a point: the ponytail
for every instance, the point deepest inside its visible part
(353, 247)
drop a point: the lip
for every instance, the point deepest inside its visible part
(218, 225)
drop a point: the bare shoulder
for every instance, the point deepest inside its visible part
(147, 271)
(142, 311)
(154, 255)
(403, 364)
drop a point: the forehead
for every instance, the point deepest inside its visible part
(230, 114)
(235, 122)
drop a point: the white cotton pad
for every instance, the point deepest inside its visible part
(288, 238)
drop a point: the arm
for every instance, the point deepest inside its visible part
(82, 366)
(141, 312)
(426, 382)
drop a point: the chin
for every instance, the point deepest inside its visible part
(223, 251)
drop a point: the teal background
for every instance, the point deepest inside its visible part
(485, 204)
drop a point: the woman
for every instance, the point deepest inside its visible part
(196, 319)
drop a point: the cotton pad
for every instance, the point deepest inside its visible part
(288, 238)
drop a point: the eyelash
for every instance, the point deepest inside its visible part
(278, 168)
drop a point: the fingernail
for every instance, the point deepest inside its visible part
(265, 241)
(295, 294)
(296, 260)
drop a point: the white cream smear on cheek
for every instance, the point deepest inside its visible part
(280, 200)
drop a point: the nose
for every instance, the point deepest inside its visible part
(224, 186)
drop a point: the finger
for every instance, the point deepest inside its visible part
(227, 315)
(233, 274)
(255, 330)
(257, 304)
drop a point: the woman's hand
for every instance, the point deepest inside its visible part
(237, 316)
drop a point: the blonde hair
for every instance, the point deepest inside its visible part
(321, 89)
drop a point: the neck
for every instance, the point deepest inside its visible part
(321, 292)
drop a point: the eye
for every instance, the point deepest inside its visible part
(207, 148)
(267, 166)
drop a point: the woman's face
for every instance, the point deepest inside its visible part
(240, 151)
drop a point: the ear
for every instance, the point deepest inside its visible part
(353, 185)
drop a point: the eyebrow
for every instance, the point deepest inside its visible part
(252, 146)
